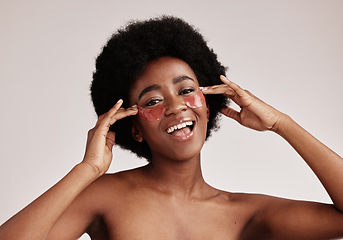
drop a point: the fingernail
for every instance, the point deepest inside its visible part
(134, 107)
(120, 100)
(224, 78)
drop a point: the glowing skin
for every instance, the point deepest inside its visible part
(168, 81)
(156, 113)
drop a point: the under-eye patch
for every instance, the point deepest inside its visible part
(151, 114)
(195, 101)
(156, 113)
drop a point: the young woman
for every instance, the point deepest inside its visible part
(158, 90)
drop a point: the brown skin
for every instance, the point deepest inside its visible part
(161, 75)
(168, 198)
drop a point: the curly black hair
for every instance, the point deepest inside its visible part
(126, 55)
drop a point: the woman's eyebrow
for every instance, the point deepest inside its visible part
(148, 89)
(182, 78)
(157, 87)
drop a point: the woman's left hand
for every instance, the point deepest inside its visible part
(254, 113)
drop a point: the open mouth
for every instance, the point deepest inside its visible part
(181, 128)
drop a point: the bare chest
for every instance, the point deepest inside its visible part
(163, 220)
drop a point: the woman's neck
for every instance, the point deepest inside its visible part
(180, 178)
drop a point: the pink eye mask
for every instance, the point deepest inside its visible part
(156, 113)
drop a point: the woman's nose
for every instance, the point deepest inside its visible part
(174, 105)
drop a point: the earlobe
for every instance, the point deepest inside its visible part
(136, 133)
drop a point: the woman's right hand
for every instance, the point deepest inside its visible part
(100, 140)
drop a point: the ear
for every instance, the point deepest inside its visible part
(136, 132)
(208, 111)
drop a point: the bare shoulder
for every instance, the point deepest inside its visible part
(88, 211)
(281, 218)
(115, 183)
(107, 194)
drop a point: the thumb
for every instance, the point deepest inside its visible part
(231, 113)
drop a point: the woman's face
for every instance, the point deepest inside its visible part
(180, 132)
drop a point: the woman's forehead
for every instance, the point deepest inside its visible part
(164, 70)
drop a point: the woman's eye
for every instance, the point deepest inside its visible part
(186, 91)
(153, 102)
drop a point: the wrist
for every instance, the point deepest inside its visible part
(87, 170)
(282, 124)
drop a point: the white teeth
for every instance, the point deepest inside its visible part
(179, 126)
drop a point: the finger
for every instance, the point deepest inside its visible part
(231, 113)
(123, 113)
(115, 108)
(100, 118)
(218, 89)
(103, 124)
(233, 85)
(214, 88)
(119, 114)
(110, 113)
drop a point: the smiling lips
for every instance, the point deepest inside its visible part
(184, 126)
(181, 130)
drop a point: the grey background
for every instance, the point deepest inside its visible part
(288, 53)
